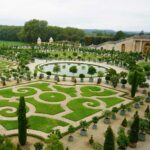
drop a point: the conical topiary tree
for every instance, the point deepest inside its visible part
(134, 131)
(124, 122)
(38, 146)
(22, 122)
(122, 139)
(94, 120)
(109, 143)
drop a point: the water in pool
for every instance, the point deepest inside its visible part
(64, 69)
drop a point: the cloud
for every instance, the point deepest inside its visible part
(101, 14)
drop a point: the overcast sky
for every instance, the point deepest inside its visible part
(129, 15)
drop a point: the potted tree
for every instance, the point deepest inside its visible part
(56, 69)
(100, 74)
(122, 140)
(124, 122)
(73, 70)
(134, 132)
(91, 140)
(107, 114)
(123, 75)
(137, 100)
(48, 74)
(95, 120)
(114, 111)
(71, 130)
(81, 76)
(91, 71)
(107, 78)
(142, 127)
(123, 110)
(84, 125)
(64, 77)
(38, 146)
(148, 98)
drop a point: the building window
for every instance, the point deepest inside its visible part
(146, 48)
(123, 47)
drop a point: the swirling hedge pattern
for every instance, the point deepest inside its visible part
(9, 109)
(36, 123)
(46, 103)
(89, 91)
(8, 93)
(79, 110)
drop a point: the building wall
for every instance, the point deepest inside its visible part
(129, 44)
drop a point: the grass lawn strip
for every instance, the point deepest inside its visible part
(89, 91)
(4, 112)
(80, 111)
(69, 90)
(41, 86)
(8, 93)
(35, 123)
(52, 97)
(111, 101)
(42, 108)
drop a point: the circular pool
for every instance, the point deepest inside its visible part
(82, 68)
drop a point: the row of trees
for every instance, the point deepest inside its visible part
(39, 28)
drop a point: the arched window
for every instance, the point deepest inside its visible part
(123, 47)
(146, 48)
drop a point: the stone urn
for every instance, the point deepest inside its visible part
(113, 117)
(94, 126)
(122, 112)
(83, 132)
(107, 120)
(142, 136)
(137, 105)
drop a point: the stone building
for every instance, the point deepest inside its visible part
(136, 43)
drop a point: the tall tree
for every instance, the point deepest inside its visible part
(109, 143)
(134, 131)
(34, 29)
(22, 122)
(120, 35)
(135, 78)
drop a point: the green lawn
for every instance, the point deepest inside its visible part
(68, 90)
(52, 97)
(11, 43)
(41, 86)
(8, 93)
(43, 108)
(7, 112)
(89, 91)
(111, 101)
(80, 111)
(36, 123)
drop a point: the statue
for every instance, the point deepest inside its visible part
(51, 40)
(39, 41)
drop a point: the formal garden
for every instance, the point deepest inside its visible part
(51, 106)
(66, 94)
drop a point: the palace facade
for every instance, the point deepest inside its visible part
(136, 43)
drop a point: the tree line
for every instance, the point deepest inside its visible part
(33, 29)
(39, 28)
